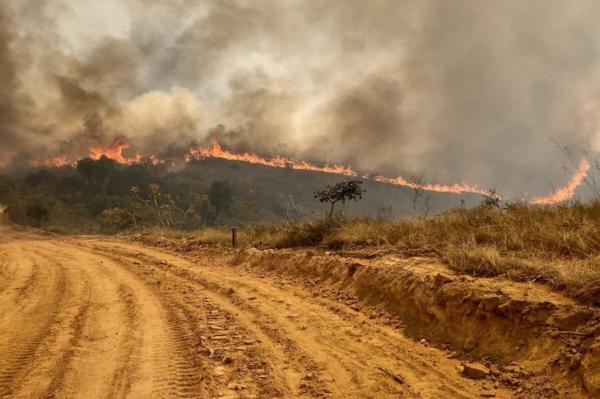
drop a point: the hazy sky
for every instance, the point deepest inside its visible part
(462, 90)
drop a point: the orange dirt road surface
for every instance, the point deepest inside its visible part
(99, 318)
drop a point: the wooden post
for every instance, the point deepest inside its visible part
(234, 237)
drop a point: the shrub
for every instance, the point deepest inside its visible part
(116, 219)
(37, 214)
(307, 234)
(40, 177)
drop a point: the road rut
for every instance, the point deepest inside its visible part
(100, 318)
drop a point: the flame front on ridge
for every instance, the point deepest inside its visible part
(118, 149)
(568, 191)
(115, 152)
(216, 151)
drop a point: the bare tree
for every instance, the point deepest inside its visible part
(416, 182)
(341, 192)
(296, 215)
(154, 196)
(491, 199)
(427, 205)
(135, 204)
(163, 204)
(169, 210)
(195, 201)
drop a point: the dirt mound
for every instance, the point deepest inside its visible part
(478, 318)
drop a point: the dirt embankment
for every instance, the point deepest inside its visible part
(550, 336)
(534, 341)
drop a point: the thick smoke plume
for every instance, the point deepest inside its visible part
(462, 91)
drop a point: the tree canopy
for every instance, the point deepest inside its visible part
(340, 192)
(96, 172)
(220, 197)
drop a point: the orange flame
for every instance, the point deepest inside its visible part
(216, 151)
(456, 188)
(567, 192)
(115, 152)
(55, 162)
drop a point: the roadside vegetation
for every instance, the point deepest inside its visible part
(554, 245)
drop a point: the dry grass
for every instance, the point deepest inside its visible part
(558, 246)
(562, 232)
(217, 236)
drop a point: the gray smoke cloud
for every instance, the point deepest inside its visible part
(462, 91)
(9, 113)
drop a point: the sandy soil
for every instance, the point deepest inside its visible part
(96, 318)
(91, 317)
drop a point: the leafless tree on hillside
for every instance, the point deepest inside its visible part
(427, 205)
(416, 179)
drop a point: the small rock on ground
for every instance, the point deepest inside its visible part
(475, 370)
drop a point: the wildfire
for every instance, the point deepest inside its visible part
(55, 162)
(567, 192)
(216, 151)
(115, 152)
(456, 188)
(118, 150)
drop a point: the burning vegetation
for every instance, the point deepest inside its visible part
(568, 191)
(121, 152)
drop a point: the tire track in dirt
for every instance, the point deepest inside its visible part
(31, 316)
(170, 371)
(55, 351)
(213, 334)
(322, 366)
(339, 360)
(321, 373)
(65, 360)
(129, 346)
(78, 325)
(354, 354)
(91, 318)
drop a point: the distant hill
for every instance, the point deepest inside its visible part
(273, 190)
(72, 200)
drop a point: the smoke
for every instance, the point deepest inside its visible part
(461, 91)
(10, 114)
(508, 77)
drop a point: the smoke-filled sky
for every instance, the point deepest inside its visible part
(462, 90)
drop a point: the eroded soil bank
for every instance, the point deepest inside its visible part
(479, 318)
(530, 339)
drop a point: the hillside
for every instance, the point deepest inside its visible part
(75, 201)
(271, 189)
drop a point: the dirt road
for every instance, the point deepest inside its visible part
(95, 318)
